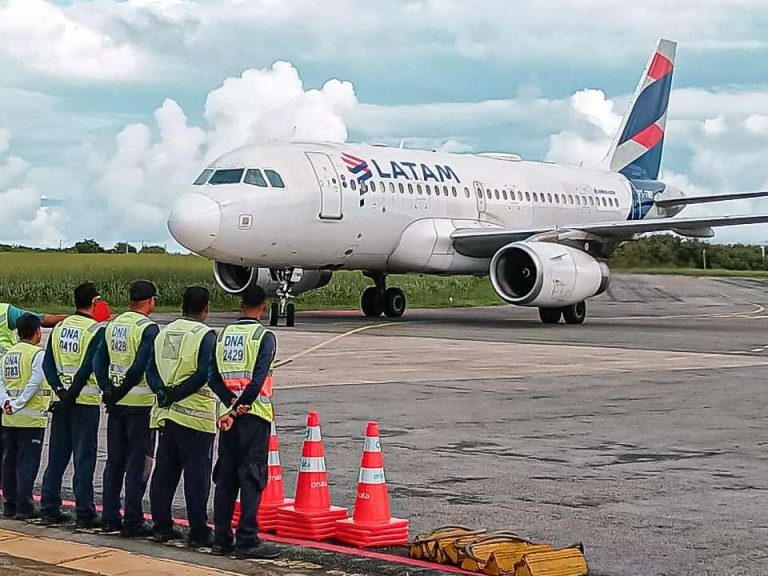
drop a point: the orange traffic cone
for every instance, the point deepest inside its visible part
(371, 524)
(311, 517)
(273, 496)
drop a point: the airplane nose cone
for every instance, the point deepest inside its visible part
(194, 221)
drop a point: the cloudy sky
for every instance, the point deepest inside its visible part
(109, 109)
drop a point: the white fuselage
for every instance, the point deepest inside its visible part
(402, 218)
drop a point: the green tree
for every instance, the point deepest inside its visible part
(88, 246)
(123, 248)
(152, 249)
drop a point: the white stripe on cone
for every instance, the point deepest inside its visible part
(372, 476)
(312, 464)
(372, 444)
(313, 434)
(274, 459)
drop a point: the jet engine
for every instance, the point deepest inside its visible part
(234, 279)
(546, 274)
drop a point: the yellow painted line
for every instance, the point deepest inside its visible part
(96, 559)
(331, 341)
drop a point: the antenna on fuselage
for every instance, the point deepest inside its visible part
(402, 143)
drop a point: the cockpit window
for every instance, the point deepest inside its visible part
(203, 178)
(229, 176)
(255, 177)
(274, 179)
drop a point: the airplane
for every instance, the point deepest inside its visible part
(288, 215)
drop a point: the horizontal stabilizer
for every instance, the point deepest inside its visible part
(686, 200)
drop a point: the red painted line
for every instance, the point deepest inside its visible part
(327, 547)
(660, 67)
(649, 137)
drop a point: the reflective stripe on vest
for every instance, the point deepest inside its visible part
(176, 349)
(17, 371)
(70, 340)
(7, 336)
(237, 349)
(123, 337)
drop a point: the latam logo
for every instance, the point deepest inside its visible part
(357, 166)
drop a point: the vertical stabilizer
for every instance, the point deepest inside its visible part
(636, 148)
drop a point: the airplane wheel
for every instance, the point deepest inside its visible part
(575, 314)
(394, 303)
(550, 315)
(371, 303)
(290, 315)
(274, 313)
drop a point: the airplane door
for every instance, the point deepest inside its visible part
(330, 187)
(480, 197)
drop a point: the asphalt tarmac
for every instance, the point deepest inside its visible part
(639, 433)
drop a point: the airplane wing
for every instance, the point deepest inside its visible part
(685, 200)
(484, 242)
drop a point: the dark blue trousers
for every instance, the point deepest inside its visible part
(182, 450)
(128, 444)
(241, 468)
(74, 433)
(22, 448)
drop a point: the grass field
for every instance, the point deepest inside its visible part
(44, 281)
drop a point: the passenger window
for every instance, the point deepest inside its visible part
(401, 187)
(255, 177)
(445, 191)
(549, 198)
(203, 178)
(353, 184)
(488, 193)
(504, 194)
(466, 192)
(410, 188)
(527, 196)
(418, 188)
(232, 176)
(578, 201)
(591, 201)
(363, 187)
(496, 193)
(392, 187)
(453, 191)
(535, 197)
(428, 190)
(274, 179)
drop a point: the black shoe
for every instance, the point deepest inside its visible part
(9, 512)
(88, 523)
(206, 542)
(55, 518)
(222, 549)
(167, 535)
(143, 531)
(262, 551)
(31, 515)
(110, 528)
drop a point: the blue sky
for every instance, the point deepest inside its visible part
(114, 106)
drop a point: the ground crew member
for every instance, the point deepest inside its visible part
(24, 396)
(242, 378)
(120, 366)
(9, 316)
(187, 415)
(68, 367)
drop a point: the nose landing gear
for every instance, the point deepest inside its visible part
(284, 308)
(377, 300)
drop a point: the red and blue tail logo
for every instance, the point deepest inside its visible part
(637, 152)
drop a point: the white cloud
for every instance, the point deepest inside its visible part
(757, 124)
(39, 35)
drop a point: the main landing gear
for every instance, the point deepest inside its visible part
(379, 299)
(284, 308)
(573, 314)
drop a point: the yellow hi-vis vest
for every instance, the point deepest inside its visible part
(7, 336)
(237, 349)
(71, 338)
(176, 350)
(123, 337)
(17, 371)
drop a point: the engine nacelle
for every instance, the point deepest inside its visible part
(546, 274)
(235, 279)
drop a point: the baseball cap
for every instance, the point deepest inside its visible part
(143, 290)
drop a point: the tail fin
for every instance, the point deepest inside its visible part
(636, 148)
